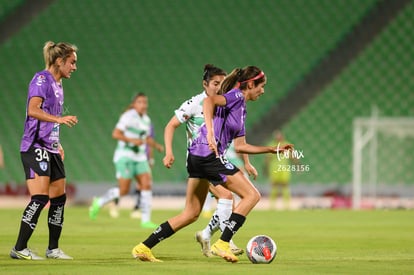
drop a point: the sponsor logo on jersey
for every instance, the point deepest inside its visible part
(40, 79)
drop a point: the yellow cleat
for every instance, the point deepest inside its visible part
(142, 252)
(222, 249)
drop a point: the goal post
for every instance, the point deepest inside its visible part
(382, 154)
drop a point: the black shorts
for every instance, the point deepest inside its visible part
(211, 168)
(43, 163)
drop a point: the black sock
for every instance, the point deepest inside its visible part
(55, 220)
(138, 202)
(232, 225)
(162, 232)
(29, 220)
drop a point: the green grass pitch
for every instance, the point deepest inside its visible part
(309, 242)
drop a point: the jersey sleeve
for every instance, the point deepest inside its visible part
(185, 111)
(123, 121)
(233, 97)
(38, 86)
(242, 132)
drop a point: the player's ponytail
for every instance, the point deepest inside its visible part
(230, 81)
(52, 51)
(239, 78)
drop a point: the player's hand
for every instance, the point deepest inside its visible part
(137, 141)
(68, 120)
(168, 160)
(159, 147)
(61, 152)
(212, 144)
(281, 149)
(251, 170)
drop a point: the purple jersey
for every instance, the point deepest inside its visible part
(228, 124)
(43, 134)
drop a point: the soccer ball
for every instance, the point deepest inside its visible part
(261, 249)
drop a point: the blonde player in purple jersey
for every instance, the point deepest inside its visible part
(41, 152)
(224, 116)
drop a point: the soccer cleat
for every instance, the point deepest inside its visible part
(136, 214)
(57, 253)
(222, 249)
(143, 253)
(94, 209)
(235, 249)
(25, 254)
(149, 225)
(205, 244)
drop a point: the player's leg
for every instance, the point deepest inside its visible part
(55, 218)
(223, 210)
(38, 189)
(110, 195)
(36, 164)
(124, 177)
(195, 195)
(143, 177)
(206, 211)
(145, 183)
(250, 196)
(136, 212)
(218, 219)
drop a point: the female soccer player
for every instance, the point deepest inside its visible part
(41, 152)
(206, 162)
(133, 133)
(190, 113)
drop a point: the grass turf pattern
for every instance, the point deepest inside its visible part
(309, 242)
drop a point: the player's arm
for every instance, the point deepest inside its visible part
(242, 147)
(151, 142)
(118, 134)
(169, 131)
(34, 110)
(208, 110)
(250, 169)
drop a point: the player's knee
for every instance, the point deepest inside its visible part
(255, 196)
(226, 195)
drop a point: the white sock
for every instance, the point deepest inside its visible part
(109, 196)
(208, 202)
(212, 227)
(145, 206)
(224, 209)
(222, 213)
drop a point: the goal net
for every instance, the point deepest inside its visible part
(383, 156)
